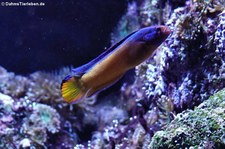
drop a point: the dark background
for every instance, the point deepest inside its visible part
(61, 33)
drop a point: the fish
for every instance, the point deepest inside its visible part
(105, 70)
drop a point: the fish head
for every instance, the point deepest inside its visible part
(152, 36)
(144, 42)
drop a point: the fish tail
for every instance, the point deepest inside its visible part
(71, 89)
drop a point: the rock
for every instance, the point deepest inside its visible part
(25, 143)
(202, 127)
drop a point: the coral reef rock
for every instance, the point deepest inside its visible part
(202, 127)
(182, 74)
(26, 121)
(188, 68)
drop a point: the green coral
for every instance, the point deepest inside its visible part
(201, 127)
(43, 119)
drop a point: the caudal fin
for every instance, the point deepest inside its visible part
(71, 89)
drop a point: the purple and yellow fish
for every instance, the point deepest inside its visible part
(112, 64)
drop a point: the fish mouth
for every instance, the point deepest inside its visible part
(165, 30)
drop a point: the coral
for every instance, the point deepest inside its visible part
(182, 73)
(43, 118)
(12, 88)
(187, 68)
(38, 86)
(21, 119)
(33, 113)
(26, 122)
(120, 132)
(220, 34)
(202, 127)
(107, 114)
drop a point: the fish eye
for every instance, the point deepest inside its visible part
(158, 30)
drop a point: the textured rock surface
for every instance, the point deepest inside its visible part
(202, 127)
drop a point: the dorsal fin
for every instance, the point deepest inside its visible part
(79, 71)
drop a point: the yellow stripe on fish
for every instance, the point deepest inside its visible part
(112, 64)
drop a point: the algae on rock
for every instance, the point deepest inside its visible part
(202, 127)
